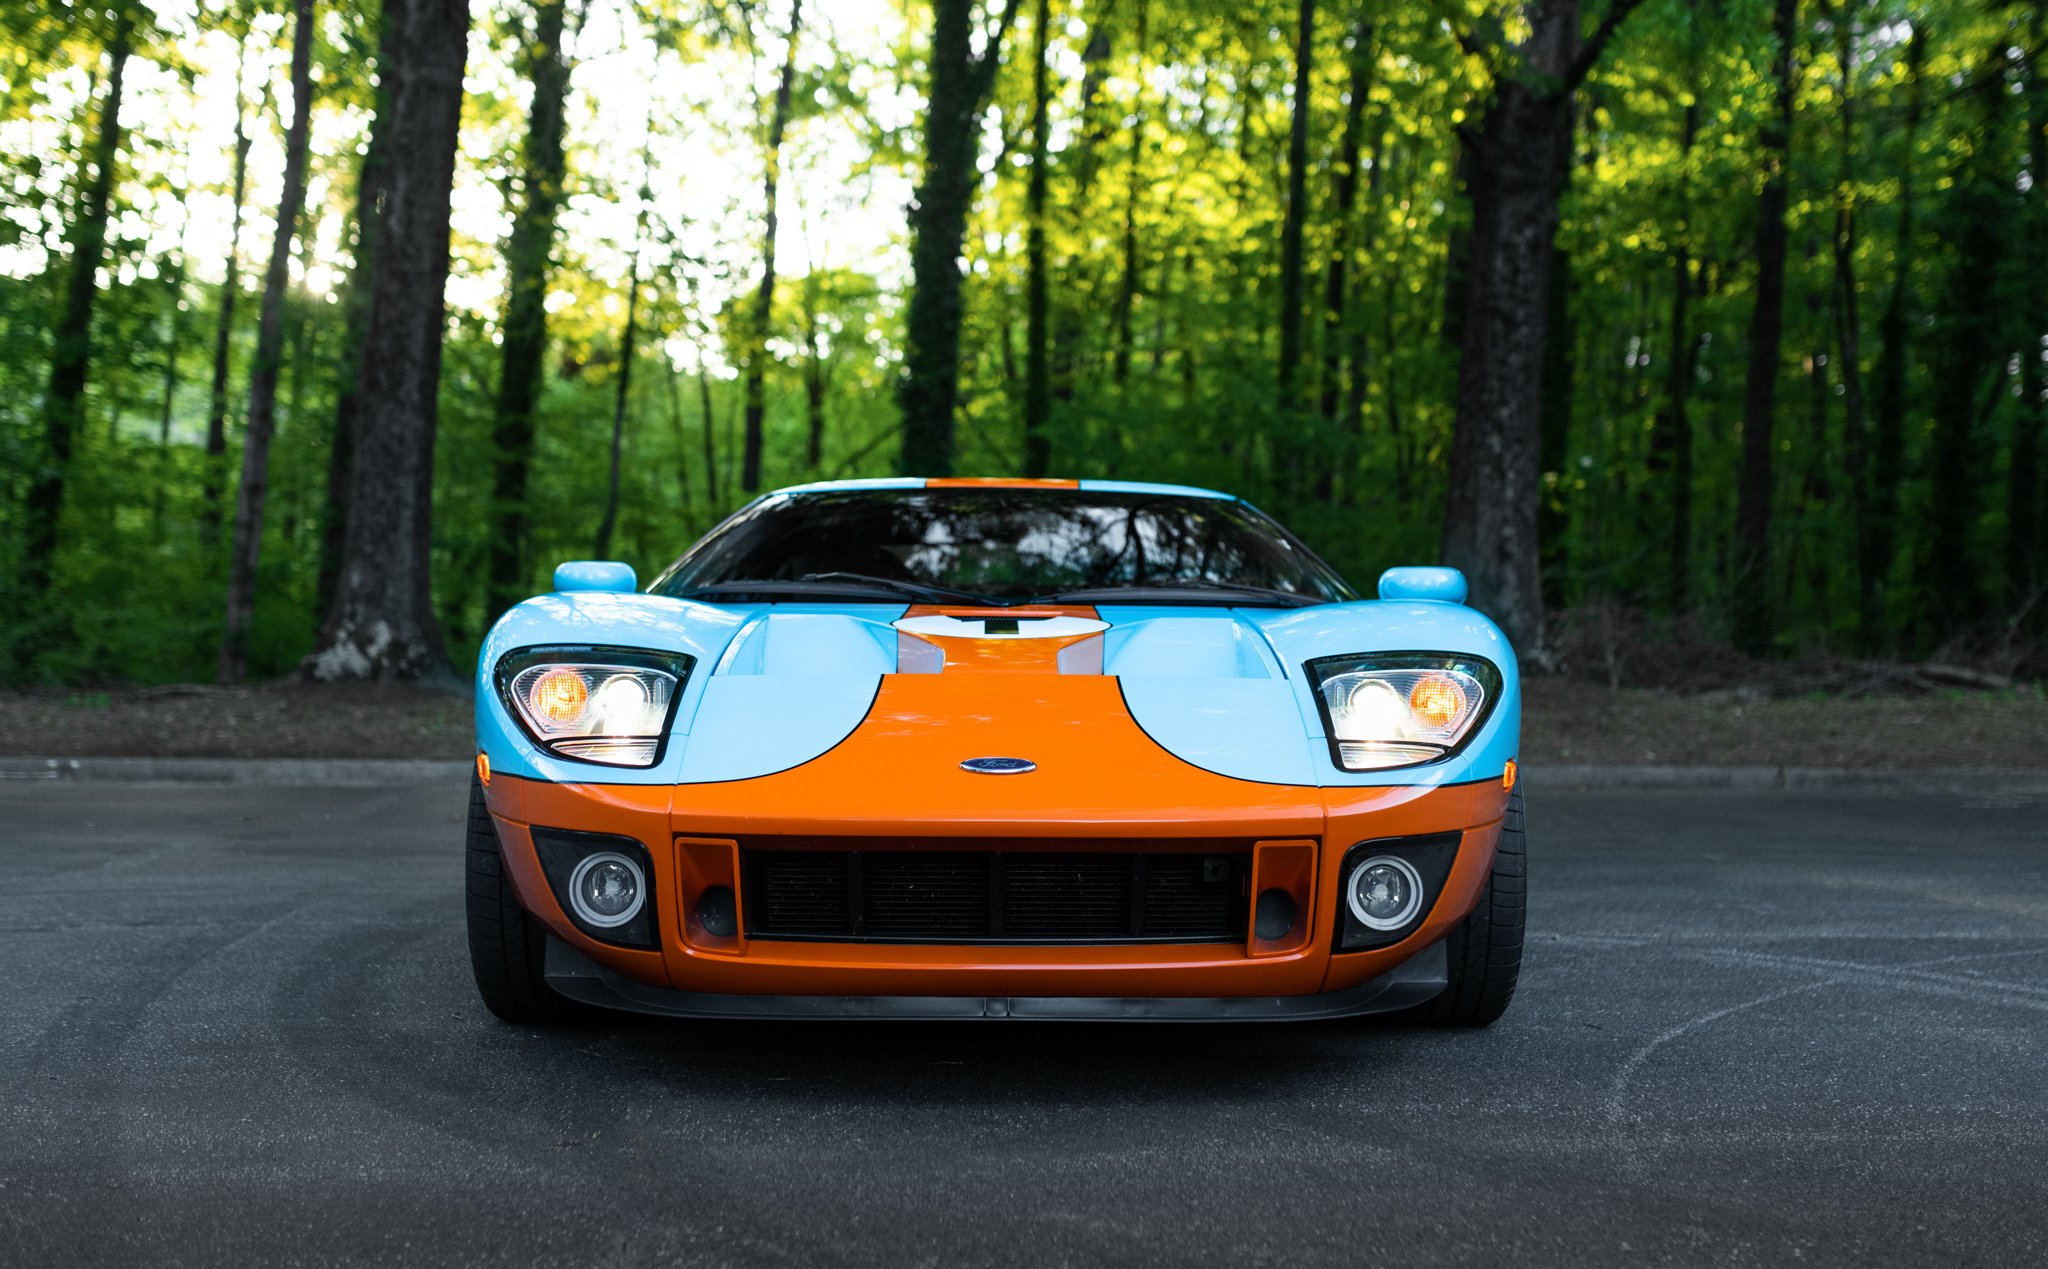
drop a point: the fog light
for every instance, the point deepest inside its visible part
(1384, 892)
(1273, 915)
(607, 889)
(718, 913)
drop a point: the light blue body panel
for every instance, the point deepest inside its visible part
(1300, 635)
(1147, 487)
(775, 686)
(737, 725)
(1243, 728)
(1185, 646)
(869, 482)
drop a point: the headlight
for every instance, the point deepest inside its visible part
(608, 705)
(1401, 709)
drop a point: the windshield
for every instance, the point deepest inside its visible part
(1007, 545)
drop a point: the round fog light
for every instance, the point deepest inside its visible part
(606, 890)
(1384, 892)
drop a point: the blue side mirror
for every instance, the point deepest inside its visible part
(1445, 585)
(596, 575)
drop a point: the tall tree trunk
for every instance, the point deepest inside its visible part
(1128, 281)
(223, 332)
(1754, 624)
(1516, 159)
(1674, 433)
(1344, 214)
(628, 349)
(710, 439)
(1294, 223)
(960, 83)
(1848, 308)
(1066, 337)
(1888, 390)
(764, 298)
(675, 422)
(1037, 372)
(248, 539)
(817, 377)
(2026, 560)
(174, 339)
(71, 355)
(529, 253)
(381, 624)
(372, 187)
(1358, 330)
(302, 342)
(1971, 341)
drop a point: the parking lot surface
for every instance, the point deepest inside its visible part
(239, 1029)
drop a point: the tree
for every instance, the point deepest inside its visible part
(381, 623)
(71, 357)
(628, 349)
(960, 82)
(1294, 225)
(247, 544)
(764, 298)
(2026, 552)
(1037, 303)
(224, 323)
(1970, 344)
(372, 187)
(1516, 156)
(1753, 621)
(529, 255)
(1344, 207)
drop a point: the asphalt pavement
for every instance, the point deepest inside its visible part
(1754, 1028)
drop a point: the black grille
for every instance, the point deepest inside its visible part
(983, 896)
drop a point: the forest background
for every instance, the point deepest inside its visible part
(1715, 323)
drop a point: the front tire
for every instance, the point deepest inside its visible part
(507, 947)
(1484, 952)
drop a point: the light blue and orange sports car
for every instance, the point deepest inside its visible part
(997, 749)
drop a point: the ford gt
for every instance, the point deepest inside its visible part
(984, 748)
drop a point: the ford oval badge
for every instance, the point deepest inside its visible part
(999, 766)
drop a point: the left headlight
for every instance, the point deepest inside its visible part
(1401, 709)
(605, 705)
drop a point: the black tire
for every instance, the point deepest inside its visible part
(506, 946)
(1485, 951)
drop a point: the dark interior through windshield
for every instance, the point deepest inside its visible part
(1007, 544)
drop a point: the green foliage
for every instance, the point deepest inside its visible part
(1167, 188)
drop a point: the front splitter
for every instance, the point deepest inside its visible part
(1415, 980)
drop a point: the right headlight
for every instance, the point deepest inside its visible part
(605, 705)
(1401, 709)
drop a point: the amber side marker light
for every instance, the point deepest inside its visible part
(483, 768)
(1507, 777)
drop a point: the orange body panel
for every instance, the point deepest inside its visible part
(898, 778)
(998, 482)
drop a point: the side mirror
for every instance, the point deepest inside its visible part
(596, 575)
(1445, 585)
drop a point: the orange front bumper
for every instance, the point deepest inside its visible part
(1301, 836)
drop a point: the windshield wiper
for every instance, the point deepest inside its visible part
(843, 585)
(1179, 591)
(903, 586)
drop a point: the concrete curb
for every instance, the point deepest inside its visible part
(299, 772)
(389, 772)
(1796, 779)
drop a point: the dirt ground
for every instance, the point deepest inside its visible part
(1565, 721)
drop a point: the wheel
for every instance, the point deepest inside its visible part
(506, 946)
(1485, 951)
